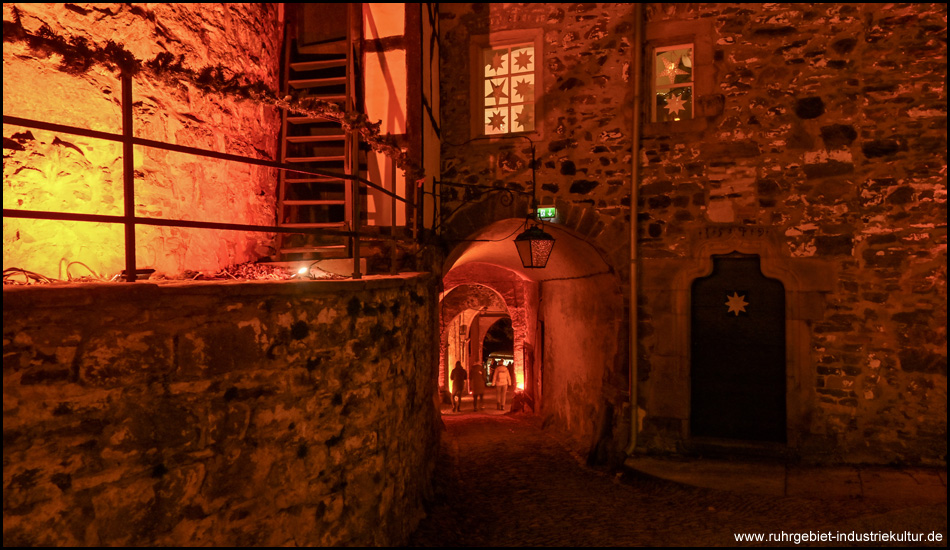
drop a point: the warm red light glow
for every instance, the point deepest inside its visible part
(385, 81)
(65, 173)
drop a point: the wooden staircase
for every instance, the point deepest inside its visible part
(318, 144)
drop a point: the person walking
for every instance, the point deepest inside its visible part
(477, 376)
(458, 376)
(501, 380)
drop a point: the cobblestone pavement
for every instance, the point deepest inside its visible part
(503, 481)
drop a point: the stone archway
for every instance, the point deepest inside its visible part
(458, 305)
(571, 366)
(479, 287)
(498, 337)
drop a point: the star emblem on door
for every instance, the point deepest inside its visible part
(736, 304)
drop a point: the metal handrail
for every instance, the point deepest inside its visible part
(108, 136)
(130, 220)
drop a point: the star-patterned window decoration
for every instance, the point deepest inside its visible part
(673, 83)
(509, 93)
(736, 303)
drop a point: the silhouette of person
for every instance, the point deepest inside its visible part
(458, 376)
(477, 376)
(501, 380)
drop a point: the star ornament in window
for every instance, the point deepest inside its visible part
(497, 61)
(736, 304)
(497, 91)
(523, 61)
(675, 104)
(524, 119)
(671, 69)
(497, 121)
(524, 89)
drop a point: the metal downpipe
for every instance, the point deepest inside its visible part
(634, 199)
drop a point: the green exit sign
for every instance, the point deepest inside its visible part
(547, 213)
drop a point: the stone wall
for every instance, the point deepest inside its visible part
(218, 414)
(583, 166)
(56, 171)
(583, 147)
(832, 139)
(819, 144)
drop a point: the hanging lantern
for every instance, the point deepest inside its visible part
(534, 246)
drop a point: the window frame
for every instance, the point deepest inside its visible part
(660, 35)
(656, 88)
(477, 104)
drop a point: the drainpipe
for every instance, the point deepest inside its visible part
(634, 199)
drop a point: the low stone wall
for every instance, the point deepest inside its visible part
(215, 414)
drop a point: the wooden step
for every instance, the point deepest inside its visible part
(315, 139)
(314, 225)
(318, 65)
(335, 48)
(327, 179)
(308, 120)
(335, 158)
(321, 202)
(299, 249)
(316, 82)
(335, 98)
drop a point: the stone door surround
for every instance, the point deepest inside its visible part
(665, 287)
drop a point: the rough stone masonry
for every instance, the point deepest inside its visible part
(820, 136)
(220, 414)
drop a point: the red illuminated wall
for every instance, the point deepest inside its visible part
(61, 172)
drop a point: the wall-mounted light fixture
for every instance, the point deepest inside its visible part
(533, 244)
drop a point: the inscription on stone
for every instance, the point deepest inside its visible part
(742, 231)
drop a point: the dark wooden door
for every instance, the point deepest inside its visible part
(738, 353)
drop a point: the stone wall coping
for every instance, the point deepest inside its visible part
(17, 297)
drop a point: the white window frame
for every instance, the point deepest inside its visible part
(499, 41)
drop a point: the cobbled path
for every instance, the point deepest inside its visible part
(503, 481)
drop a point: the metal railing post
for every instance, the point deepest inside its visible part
(354, 34)
(392, 223)
(128, 218)
(128, 178)
(356, 228)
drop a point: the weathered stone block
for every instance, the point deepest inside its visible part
(882, 147)
(222, 446)
(809, 107)
(831, 245)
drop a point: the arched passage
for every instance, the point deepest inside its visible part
(565, 321)
(499, 338)
(462, 310)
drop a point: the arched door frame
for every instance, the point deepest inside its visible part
(806, 281)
